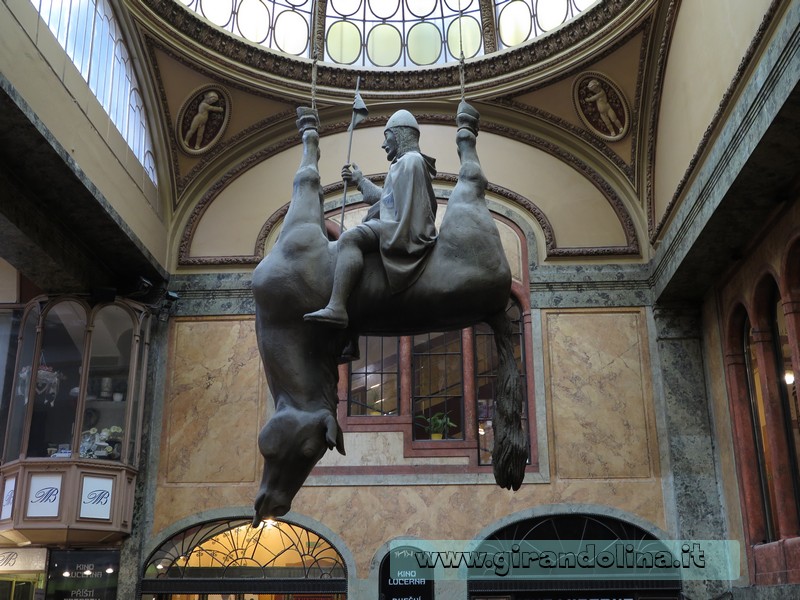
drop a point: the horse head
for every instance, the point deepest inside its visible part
(292, 442)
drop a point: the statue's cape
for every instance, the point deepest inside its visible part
(406, 227)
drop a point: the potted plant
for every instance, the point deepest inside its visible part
(437, 425)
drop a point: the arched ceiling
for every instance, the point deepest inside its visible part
(526, 95)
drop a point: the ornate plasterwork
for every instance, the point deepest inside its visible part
(601, 106)
(203, 118)
(631, 248)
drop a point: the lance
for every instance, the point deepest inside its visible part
(359, 114)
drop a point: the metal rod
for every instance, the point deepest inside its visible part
(349, 148)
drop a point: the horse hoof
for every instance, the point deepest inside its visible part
(327, 316)
(307, 118)
(467, 117)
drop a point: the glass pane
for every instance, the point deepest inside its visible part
(384, 9)
(22, 386)
(514, 24)
(233, 549)
(759, 429)
(104, 417)
(421, 8)
(374, 378)
(88, 32)
(55, 397)
(291, 32)
(344, 42)
(437, 371)
(550, 13)
(582, 5)
(467, 29)
(458, 5)
(384, 45)
(345, 7)
(9, 337)
(424, 43)
(252, 18)
(217, 12)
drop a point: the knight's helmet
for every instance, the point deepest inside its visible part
(402, 118)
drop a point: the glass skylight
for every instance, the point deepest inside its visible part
(387, 33)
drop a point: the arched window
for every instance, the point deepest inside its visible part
(90, 35)
(276, 557)
(572, 534)
(758, 415)
(787, 390)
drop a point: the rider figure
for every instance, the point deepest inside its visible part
(400, 222)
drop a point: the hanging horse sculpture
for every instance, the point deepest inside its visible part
(466, 280)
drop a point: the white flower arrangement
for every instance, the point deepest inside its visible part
(95, 444)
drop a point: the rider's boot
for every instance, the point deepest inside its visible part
(333, 314)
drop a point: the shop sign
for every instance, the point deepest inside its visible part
(410, 583)
(6, 511)
(44, 496)
(22, 559)
(82, 575)
(96, 497)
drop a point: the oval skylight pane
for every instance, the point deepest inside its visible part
(300, 3)
(582, 5)
(291, 32)
(344, 42)
(420, 8)
(384, 9)
(217, 12)
(551, 13)
(515, 23)
(384, 45)
(253, 20)
(458, 5)
(424, 43)
(469, 31)
(345, 7)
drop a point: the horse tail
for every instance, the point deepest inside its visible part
(510, 452)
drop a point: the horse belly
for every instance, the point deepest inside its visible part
(293, 279)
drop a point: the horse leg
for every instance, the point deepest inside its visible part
(306, 205)
(510, 452)
(471, 172)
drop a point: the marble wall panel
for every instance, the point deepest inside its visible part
(213, 403)
(366, 517)
(599, 393)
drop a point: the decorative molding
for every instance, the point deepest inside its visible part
(488, 26)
